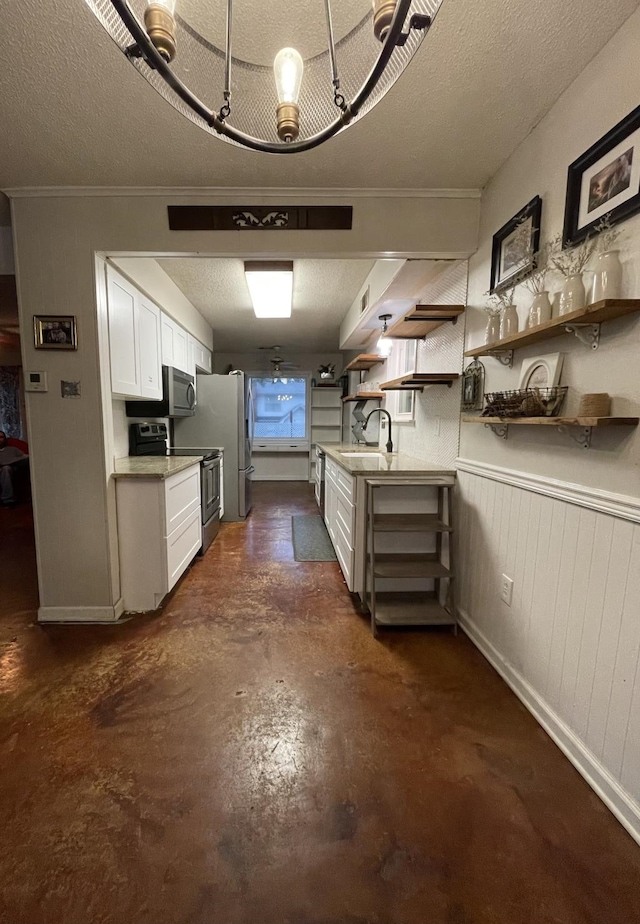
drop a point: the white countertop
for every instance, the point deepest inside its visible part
(391, 463)
(153, 466)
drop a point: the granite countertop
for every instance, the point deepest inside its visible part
(153, 466)
(395, 463)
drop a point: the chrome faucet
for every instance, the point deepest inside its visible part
(380, 410)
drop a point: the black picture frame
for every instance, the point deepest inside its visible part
(55, 332)
(573, 234)
(499, 280)
(472, 397)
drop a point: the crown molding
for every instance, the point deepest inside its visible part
(41, 192)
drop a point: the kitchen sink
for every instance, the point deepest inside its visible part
(362, 455)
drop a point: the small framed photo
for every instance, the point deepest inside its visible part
(515, 247)
(55, 332)
(605, 180)
(541, 371)
(473, 386)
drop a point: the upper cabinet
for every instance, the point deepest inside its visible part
(202, 356)
(142, 339)
(134, 341)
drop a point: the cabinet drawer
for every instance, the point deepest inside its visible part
(345, 484)
(345, 555)
(345, 516)
(183, 545)
(182, 496)
(330, 469)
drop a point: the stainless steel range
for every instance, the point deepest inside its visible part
(150, 439)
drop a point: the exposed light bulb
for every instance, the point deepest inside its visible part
(384, 345)
(383, 12)
(161, 26)
(288, 68)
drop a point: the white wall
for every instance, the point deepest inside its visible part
(560, 520)
(56, 238)
(433, 434)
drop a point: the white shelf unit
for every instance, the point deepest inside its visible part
(326, 420)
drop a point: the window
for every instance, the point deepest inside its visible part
(280, 407)
(405, 352)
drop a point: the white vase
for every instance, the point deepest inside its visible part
(573, 296)
(607, 279)
(492, 332)
(540, 310)
(508, 321)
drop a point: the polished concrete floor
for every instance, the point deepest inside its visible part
(250, 755)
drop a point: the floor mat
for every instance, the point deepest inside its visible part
(311, 540)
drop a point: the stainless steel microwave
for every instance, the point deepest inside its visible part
(178, 397)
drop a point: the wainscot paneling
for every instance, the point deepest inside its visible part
(569, 644)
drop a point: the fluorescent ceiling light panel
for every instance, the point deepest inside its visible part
(270, 286)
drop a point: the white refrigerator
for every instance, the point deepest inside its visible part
(224, 419)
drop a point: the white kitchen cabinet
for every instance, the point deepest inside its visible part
(150, 349)
(339, 515)
(175, 345)
(134, 340)
(203, 358)
(123, 335)
(159, 534)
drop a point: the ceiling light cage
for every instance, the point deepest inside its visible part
(236, 100)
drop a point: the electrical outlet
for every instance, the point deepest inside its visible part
(506, 590)
(436, 426)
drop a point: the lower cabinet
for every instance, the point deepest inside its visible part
(159, 534)
(339, 516)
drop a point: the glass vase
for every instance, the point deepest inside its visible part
(492, 331)
(508, 321)
(573, 296)
(540, 310)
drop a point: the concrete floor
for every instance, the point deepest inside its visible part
(251, 756)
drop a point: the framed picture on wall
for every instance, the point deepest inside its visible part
(605, 180)
(55, 332)
(515, 247)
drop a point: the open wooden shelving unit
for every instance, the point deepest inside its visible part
(364, 396)
(585, 324)
(579, 428)
(417, 381)
(422, 320)
(364, 362)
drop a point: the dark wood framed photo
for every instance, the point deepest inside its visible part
(515, 247)
(605, 180)
(55, 332)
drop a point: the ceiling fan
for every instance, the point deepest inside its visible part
(278, 362)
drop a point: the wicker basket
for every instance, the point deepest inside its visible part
(525, 402)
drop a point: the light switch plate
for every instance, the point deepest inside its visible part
(35, 381)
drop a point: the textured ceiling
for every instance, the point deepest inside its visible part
(323, 291)
(485, 75)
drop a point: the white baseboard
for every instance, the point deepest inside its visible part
(97, 614)
(623, 806)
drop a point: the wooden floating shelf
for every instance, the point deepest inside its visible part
(364, 396)
(577, 322)
(422, 320)
(364, 362)
(578, 427)
(417, 381)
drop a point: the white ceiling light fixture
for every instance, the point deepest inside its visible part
(289, 114)
(270, 285)
(384, 345)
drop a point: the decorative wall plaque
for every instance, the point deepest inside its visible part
(260, 218)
